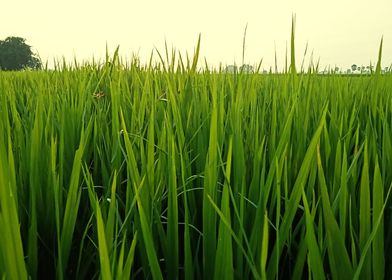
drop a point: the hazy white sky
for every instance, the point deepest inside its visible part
(338, 32)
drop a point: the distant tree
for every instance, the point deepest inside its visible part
(246, 68)
(231, 69)
(337, 69)
(354, 67)
(15, 54)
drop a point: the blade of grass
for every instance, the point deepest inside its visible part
(339, 260)
(314, 259)
(378, 243)
(102, 246)
(224, 253)
(364, 211)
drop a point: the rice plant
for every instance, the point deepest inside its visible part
(164, 171)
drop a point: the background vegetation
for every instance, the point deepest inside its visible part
(112, 171)
(15, 54)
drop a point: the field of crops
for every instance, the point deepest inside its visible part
(111, 171)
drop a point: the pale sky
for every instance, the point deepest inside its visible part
(339, 33)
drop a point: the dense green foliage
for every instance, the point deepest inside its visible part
(162, 171)
(15, 54)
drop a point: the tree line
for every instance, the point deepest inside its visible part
(16, 54)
